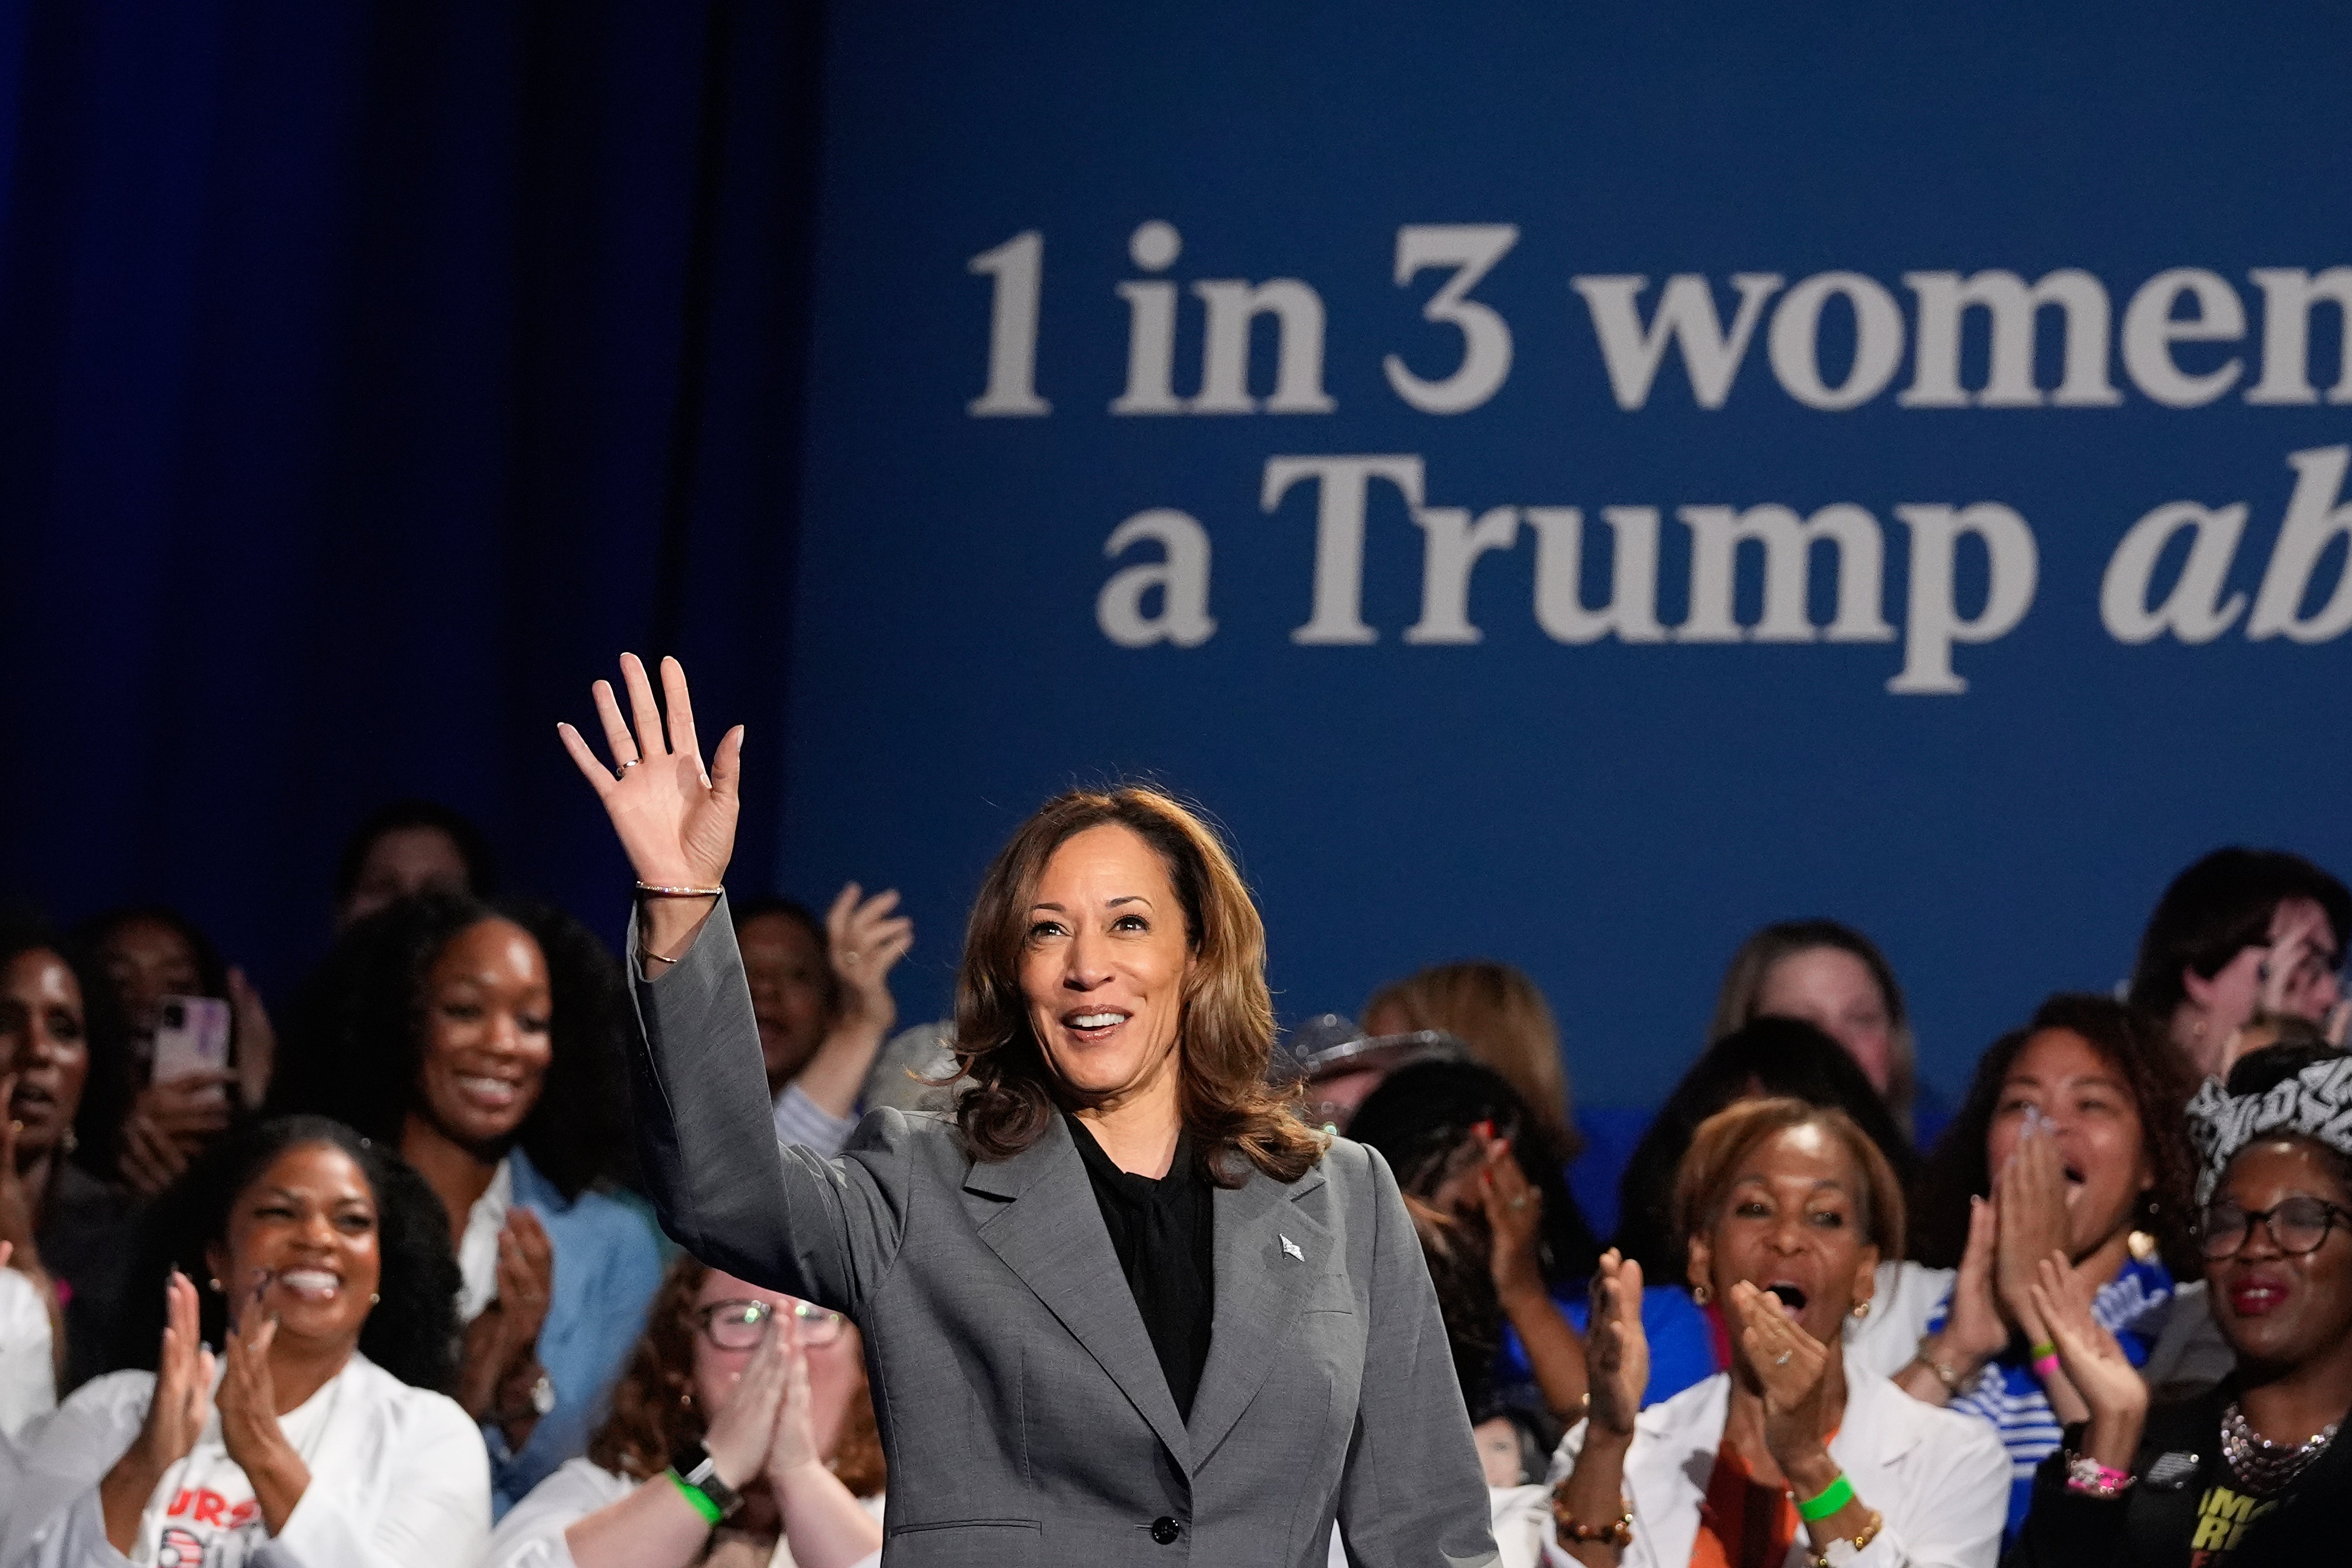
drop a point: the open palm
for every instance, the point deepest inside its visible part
(676, 820)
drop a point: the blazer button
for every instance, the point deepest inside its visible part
(1165, 1530)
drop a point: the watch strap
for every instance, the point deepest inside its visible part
(694, 1470)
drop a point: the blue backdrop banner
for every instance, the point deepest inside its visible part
(1572, 484)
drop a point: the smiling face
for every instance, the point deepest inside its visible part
(2060, 1075)
(1105, 963)
(304, 1233)
(1835, 992)
(1790, 1222)
(785, 969)
(487, 1044)
(45, 1041)
(2278, 1311)
(836, 1369)
(148, 960)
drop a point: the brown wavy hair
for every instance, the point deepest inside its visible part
(1225, 1030)
(653, 1409)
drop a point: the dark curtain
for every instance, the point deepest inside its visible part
(370, 376)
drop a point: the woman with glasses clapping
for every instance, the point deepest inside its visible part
(2252, 1471)
(740, 1435)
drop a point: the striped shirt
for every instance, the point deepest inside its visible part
(2133, 1307)
(802, 1120)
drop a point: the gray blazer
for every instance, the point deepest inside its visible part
(1022, 1412)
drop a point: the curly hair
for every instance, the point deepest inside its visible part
(107, 1088)
(1226, 1026)
(2152, 1073)
(653, 1410)
(412, 1332)
(353, 1038)
(1770, 1057)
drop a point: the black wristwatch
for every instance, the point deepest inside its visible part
(691, 1463)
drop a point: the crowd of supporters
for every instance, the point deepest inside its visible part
(364, 1276)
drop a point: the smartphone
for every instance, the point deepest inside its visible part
(191, 1037)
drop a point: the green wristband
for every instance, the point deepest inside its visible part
(1839, 1493)
(2043, 1350)
(710, 1511)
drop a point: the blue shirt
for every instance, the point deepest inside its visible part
(2133, 1307)
(1682, 1347)
(607, 1266)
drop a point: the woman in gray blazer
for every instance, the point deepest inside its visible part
(1124, 1306)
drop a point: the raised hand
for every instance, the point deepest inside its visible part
(864, 941)
(502, 1343)
(2031, 1199)
(1617, 1349)
(744, 1430)
(17, 1222)
(794, 1446)
(676, 820)
(1792, 1368)
(176, 1416)
(256, 1040)
(2095, 1364)
(1974, 1331)
(1514, 1220)
(248, 1411)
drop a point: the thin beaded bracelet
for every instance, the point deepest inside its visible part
(1618, 1533)
(654, 890)
(2088, 1478)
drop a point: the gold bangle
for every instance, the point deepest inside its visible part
(1942, 1371)
(654, 890)
(1860, 1538)
(1618, 1533)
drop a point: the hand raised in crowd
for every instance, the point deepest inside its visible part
(864, 942)
(247, 1400)
(168, 1125)
(1793, 1369)
(1617, 1349)
(176, 1416)
(500, 1363)
(2111, 1387)
(1514, 1210)
(2029, 1195)
(744, 1433)
(1974, 1333)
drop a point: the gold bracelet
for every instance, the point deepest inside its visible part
(1618, 1533)
(1861, 1538)
(1942, 1371)
(654, 890)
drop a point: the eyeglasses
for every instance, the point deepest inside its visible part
(739, 1325)
(2296, 1226)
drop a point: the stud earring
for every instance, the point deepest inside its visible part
(1700, 1294)
(1862, 1309)
(375, 1298)
(214, 1283)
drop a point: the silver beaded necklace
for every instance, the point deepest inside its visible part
(2264, 1468)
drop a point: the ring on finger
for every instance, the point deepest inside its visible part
(1783, 1358)
(632, 763)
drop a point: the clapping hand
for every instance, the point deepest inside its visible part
(1617, 1349)
(2029, 1194)
(177, 1413)
(1792, 1368)
(1514, 1209)
(503, 1341)
(2095, 1364)
(743, 1432)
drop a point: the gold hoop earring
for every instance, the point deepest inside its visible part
(1700, 1294)
(1862, 1309)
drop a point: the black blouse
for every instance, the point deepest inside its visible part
(1161, 1232)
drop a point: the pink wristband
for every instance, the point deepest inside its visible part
(2046, 1368)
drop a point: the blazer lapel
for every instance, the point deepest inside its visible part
(1048, 1230)
(1268, 1252)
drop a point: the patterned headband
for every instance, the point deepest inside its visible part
(2316, 1102)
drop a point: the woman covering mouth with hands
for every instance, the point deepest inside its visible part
(1786, 1208)
(2073, 1138)
(2255, 1470)
(314, 1438)
(1126, 1300)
